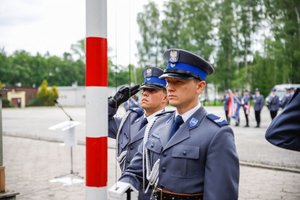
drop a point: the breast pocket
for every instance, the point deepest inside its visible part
(185, 161)
(154, 148)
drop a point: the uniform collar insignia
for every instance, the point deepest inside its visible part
(173, 56)
(193, 122)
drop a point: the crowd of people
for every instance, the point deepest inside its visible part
(233, 101)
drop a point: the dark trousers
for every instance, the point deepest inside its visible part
(227, 116)
(247, 117)
(257, 117)
(273, 113)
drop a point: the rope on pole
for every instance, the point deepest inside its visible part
(96, 99)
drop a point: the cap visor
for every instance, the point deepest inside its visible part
(175, 75)
(151, 86)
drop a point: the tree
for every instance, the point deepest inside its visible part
(78, 49)
(149, 24)
(47, 96)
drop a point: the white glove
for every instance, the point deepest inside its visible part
(119, 191)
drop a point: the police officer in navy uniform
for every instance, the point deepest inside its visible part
(129, 130)
(187, 153)
(284, 131)
(286, 98)
(246, 106)
(258, 106)
(273, 103)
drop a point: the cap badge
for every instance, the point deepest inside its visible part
(148, 72)
(173, 56)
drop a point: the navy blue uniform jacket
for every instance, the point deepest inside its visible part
(130, 136)
(200, 158)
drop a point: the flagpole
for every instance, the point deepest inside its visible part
(96, 99)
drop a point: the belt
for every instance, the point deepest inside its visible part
(162, 194)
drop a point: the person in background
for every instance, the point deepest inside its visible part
(237, 101)
(187, 153)
(258, 106)
(129, 130)
(284, 131)
(227, 103)
(292, 91)
(286, 98)
(273, 103)
(246, 106)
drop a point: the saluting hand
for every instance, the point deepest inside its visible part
(122, 95)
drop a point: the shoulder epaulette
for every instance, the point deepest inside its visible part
(137, 110)
(217, 120)
(165, 112)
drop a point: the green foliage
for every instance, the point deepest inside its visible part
(149, 23)
(27, 70)
(45, 96)
(228, 33)
(6, 103)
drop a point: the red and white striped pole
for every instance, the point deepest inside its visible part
(96, 99)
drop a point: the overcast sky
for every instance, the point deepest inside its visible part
(53, 25)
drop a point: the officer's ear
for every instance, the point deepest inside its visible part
(200, 86)
(165, 98)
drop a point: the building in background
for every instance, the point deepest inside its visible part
(20, 96)
(75, 95)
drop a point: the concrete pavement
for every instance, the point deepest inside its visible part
(34, 156)
(251, 144)
(32, 165)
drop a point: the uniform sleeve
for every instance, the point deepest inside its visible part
(113, 122)
(284, 131)
(133, 174)
(222, 167)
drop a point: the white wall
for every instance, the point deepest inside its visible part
(75, 95)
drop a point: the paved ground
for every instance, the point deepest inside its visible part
(251, 144)
(32, 164)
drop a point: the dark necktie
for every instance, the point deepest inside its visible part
(143, 123)
(178, 122)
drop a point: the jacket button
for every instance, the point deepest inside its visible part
(163, 169)
(184, 153)
(152, 145)
(131, 148)
(165, 155)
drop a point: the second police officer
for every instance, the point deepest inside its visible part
(273, 103)
(258, 106)
(187, 153)
(129, 130)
